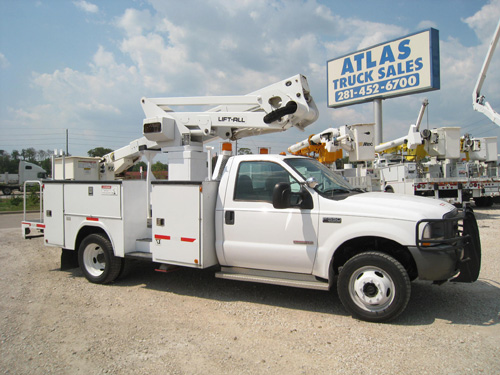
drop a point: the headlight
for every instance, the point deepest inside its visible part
(434, 231)
(438, 232)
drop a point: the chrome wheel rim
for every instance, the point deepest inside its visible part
(93, 259)
(371, 288)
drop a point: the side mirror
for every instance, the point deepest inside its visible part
(312, 182)
(281, 195)
(284, 198)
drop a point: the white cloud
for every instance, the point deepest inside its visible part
(106, 97)
(4, 63)
(86, 6)
(134, 22)
(227, 43)
(485, 21)
(22, 114)
(235, 47)
(460, 65)
(103, 58)
(349, 115)
(425, 24)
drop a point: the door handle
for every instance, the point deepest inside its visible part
(229, 216)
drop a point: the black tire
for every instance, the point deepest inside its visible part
(97, 261)
(374, 287)
(7, 191)
(479, 202)
(484, 201)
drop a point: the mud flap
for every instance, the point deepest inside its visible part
(69, 259)
(469, 269)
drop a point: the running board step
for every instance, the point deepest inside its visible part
(272, 277)
(143, 245)
(140, 255)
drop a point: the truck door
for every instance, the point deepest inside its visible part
(255, 234)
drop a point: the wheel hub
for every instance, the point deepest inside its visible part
(372, 289)
(95, 262)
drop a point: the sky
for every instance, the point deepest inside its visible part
(83, 66)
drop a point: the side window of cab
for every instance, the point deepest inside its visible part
(256, 180)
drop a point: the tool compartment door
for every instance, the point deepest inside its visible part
(176, 223)
(53, 213)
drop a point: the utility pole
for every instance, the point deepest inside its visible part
(377, 109)
(67, 142)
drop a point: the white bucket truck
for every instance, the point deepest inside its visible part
(274, 219)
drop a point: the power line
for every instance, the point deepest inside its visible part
(70, 130)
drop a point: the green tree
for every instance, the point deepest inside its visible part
(159, 166)
(29, 154)
(10, 162)
(15, 156)
(42, 155)
(99, 151)
(245, 151)
(137, 167)
(47, 165)
(4, 161)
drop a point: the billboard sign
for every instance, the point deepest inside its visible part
(400, 67)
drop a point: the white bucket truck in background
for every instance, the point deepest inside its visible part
(274, 219)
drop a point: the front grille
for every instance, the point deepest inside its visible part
(448, 231)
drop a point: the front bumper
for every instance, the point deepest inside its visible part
(457, 252)
(436, 265)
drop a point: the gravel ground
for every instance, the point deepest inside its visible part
(188, 322)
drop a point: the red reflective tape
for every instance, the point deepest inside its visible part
(92, 219)
(186, 239)
(23, 223)
(40, 225)
(161, 237)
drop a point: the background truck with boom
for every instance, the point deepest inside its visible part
(276, 219)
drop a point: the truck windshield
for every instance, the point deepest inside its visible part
(329, 183)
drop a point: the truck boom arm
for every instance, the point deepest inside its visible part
(122, 159)
(274, 108)
(479, 102)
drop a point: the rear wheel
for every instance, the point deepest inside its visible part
(7, 191)
(484, 201)
(374, 287)
(97, 261)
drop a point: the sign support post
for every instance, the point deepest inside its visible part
(377, 110)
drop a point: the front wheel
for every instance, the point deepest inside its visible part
(97, 261)
(374, 287)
